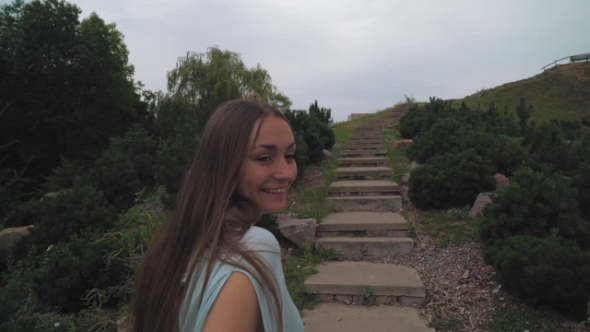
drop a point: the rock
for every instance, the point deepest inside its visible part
(402, 143)
(327, 153)
(298, 231)
(9, 238)
(122, 324)
(466, 274)
(501, 181)
(335, 147)
(406, 178)
(414, 165)
(482, 200)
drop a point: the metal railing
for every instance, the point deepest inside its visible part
(573, 58)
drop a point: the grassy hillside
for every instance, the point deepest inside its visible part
(562, 92)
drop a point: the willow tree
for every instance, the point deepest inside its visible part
(202, 81)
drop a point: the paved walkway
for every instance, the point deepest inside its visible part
(363, 227)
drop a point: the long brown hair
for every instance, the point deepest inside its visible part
(208, 213)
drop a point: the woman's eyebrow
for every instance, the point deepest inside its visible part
(274, 147)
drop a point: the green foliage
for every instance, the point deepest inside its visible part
(203, 81)
(322, 114)
(535, 204)
(70, 269)
(16, 288)
(447, 135)
(506, 155)
(301, 157)
(316, 134)
(115, 176)
(550, 270)
(421, 118)
(172, 161)
(68, 83)
(125, 167)
(76, 211)
(452, 179)
(570, 129)
(64, 176)
(546, 146)
(141, 148)
(537, 240)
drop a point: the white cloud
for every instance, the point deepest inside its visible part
(355, 56)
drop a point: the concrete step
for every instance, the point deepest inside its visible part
(337, 317)
(376, 172)
(364, 138)
(364, 224)
(365, 203)
(347, 280)
(363, 188)
(364, 153)
(363, 142)
(365, 161)
(368, 130)
(353, 146)
(367, 247)
(361, 135)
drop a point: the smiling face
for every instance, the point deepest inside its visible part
(270, 167)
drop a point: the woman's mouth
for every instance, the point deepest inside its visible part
(274, 190)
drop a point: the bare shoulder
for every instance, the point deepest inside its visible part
(237, 297)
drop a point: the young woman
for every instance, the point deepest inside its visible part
(210, 269)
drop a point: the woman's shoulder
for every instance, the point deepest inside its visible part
(259, 238)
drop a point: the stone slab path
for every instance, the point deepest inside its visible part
(355, 293)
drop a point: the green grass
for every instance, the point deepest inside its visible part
(310, 201)
(398, 159)
(557, 93)
(448, 324)
(518, 320)
(300, 265)
(449, 227)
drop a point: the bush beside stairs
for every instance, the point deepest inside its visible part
(355, 293)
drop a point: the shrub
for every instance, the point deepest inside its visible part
(537, 240)
(535, 204)
(70, 270)
(581, 180)
(301, 157)
(316, 134)
(78, 210)
(141, 148)
(551, 270)
(115, 176)
(506, 155)
(450, 180)
(171, 164)
(448, 135)
(420, 118)
(63, 177)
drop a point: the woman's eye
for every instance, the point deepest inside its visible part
(263, 159)
(290, 156)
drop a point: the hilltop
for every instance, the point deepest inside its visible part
(561, 92)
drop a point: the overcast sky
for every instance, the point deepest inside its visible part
(356, 56)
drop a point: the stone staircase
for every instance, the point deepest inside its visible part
(364, 227)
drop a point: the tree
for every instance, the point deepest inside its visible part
(68, 83)
(203, 81)
(323, 114)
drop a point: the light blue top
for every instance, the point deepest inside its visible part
(192, 318)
